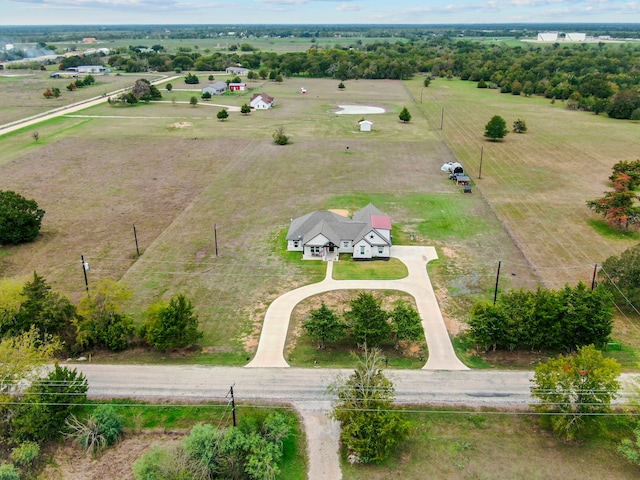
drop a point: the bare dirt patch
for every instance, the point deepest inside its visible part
(70, 462)
(180, 125)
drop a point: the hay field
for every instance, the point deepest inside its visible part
(174, 171)
(538, 182)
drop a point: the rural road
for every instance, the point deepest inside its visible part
(305, 389)
(74, 107)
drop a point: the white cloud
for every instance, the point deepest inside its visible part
(356, 7)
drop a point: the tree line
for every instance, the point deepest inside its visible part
(366, 323)
(597, 78)
(544, 319)
(99, 321)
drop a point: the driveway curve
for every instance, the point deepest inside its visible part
(270, 351)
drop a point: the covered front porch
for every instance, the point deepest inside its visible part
(328, 252)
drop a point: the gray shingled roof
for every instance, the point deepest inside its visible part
(333, 226)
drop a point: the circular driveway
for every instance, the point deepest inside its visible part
(417, 283)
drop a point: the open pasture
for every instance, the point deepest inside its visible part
(174, 171)
(21, 91)
(537, 183)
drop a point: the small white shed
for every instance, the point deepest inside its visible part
(365, 125)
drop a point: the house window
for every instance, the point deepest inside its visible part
(371, 236)
(380, 250)
(296, 244)
(315, 251)
(345, 244)
(362, 250)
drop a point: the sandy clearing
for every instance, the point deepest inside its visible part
(358, 110)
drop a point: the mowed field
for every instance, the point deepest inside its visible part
(175, 171)
(538, 183)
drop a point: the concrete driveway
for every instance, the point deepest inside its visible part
(417, 283)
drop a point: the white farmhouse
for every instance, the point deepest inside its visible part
(324, 234)
(261, 101)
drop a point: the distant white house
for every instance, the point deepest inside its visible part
(548, 36)
(365, 125)
(237, 87)
(261, 101)
(217, 88)
(324, 234)
(89, 69)
(240, 71)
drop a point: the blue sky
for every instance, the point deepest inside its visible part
(88, 12)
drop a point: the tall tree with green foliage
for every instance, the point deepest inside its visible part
(47, 404)
(406, 323)
(370, 429)
(102, 321)
(245, 109)
(573, 388)
(405, 116)
(20, 218)
(172, 325)
(368, 321)
(324, 325)
(620, 275)
(48, 311)
(223, 114)
(496, 129)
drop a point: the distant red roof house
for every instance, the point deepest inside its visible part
(89, 40)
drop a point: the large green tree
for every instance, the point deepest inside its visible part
(405, 116)
(102, 321)
(40, 307)
(573, 388)
(406, 323)
(324, 325)
(496, 129)
(172, 325)
(620, 275)
(47, 404)
(21, 359)
(20, 219)
(370, 429)
(368, 320)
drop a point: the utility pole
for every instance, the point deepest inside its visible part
(135, 235)
(85, 267)
(593, 280)
(215, 238)
(233, 405)
(480, 170)
(495, 294)
(442, 118)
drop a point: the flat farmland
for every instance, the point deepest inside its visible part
(174, 171)
(538, 183)
(21, 91)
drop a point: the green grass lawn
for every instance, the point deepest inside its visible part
(349, 269)
(495, 445)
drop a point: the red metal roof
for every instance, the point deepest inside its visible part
(381, 221)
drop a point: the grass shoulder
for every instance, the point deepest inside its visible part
(457, 444)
